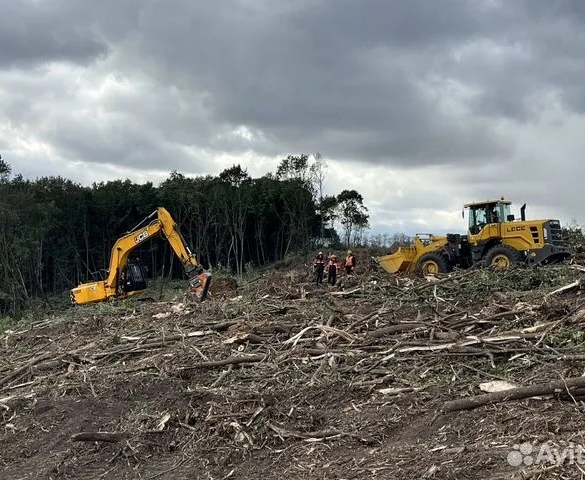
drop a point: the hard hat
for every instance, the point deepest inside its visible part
(349, 252)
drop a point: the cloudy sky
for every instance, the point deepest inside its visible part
(420, 105)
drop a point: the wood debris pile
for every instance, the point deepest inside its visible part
(283, 379)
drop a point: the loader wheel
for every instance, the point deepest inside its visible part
(502, 257)
(431, 263)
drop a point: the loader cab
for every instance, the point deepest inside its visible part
(481, 214)
(133, 276)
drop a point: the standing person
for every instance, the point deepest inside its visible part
(319, 267)
(349, 263)
(332, 270)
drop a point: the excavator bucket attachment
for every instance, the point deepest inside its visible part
(200, 284)
(400, 261)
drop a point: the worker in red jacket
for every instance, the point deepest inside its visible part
(319, 267)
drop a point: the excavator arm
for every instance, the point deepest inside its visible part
(199, 278)
(116, 284)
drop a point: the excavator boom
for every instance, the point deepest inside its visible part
(123, 276)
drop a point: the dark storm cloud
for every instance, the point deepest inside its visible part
(336, 77)
(353, 80)
(40, 31)
(536, 47)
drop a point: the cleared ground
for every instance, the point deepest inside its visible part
(283, 379)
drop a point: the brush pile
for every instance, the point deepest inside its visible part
(383, 377)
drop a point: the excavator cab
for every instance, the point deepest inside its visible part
(133, 276)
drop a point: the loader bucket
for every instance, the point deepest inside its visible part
(401, 261)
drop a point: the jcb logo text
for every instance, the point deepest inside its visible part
(141, 236)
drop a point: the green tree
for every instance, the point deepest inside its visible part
(236, 183)
(55, 233)
(298, 194)
(4, 170)
(352, 214)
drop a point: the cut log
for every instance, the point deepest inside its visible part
(514, 394)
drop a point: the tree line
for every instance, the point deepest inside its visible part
(55, 233)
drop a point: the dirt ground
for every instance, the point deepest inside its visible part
(280, 378)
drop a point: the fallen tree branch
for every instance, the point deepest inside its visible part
(22, 370)
(224, 362)
(109, 437)
(345, 293)
(571, 286)
(471, 320)
(310, 436)
(325, 330)
(163, 340)
(447, 279)
(513, 394)
(218, 327)
(470, 340)
(398, 328)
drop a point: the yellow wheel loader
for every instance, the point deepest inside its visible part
(494, 239)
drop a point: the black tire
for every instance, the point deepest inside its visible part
(502, 257)
(431, 263)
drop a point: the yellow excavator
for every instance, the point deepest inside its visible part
(494, 239)
(127, 277)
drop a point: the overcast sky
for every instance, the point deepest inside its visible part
(420, 105)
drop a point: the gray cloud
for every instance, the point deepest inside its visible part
(319, 75)
(33, 32)
(453, 84)
(330, 76)
(536, 48)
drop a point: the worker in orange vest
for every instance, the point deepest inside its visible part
(332, 267)
(349, 263)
